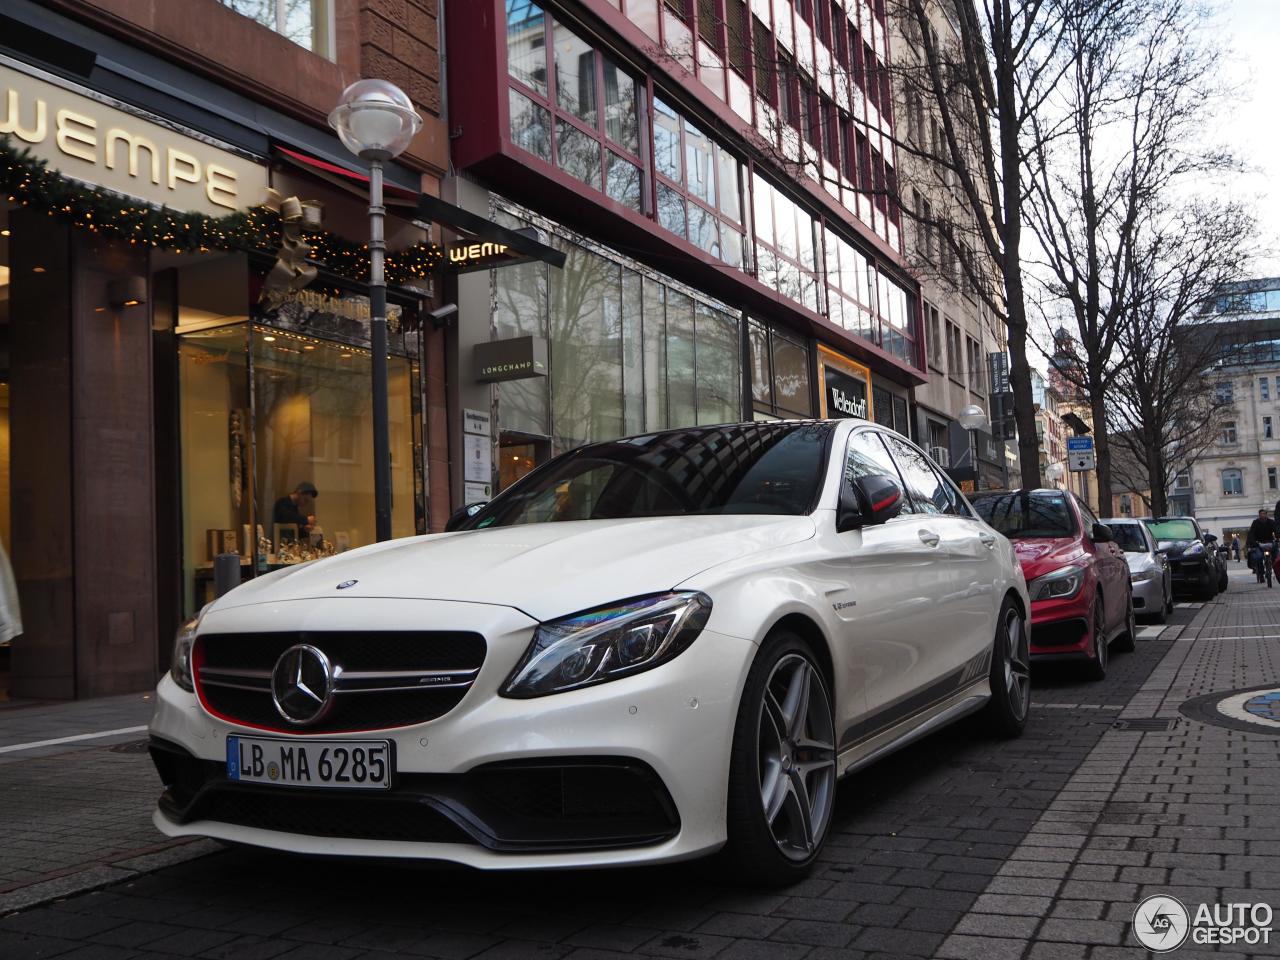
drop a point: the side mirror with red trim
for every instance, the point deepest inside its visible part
(868, 501)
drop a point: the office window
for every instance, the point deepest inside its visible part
(700, 186)
(933, 327)
(738, 27)
(586, 120)
(1225, 392)
(1267, 432)
(839, 34)
(974, 377)
(309, 25)
(1273, 482)
(786, 245)
(1264, 388)
(1229, 432)
(953, 350)
(1232, 483)
(709, 23)
(765, 62)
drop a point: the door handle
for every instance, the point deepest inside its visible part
(928, 537)
(988, 540)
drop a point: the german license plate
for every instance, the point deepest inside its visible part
(353, 764)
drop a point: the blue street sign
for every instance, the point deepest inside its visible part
(1079, 444)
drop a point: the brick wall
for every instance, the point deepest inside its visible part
(400, 42)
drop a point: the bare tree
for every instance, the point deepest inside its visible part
(1123, 131)
(1162, 409)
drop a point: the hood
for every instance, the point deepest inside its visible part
(1139, 562)
(1176, 548)
(1041, 555)
(547, 570)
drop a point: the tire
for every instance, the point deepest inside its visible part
(1168, 602)
(1127, 641)
(1097, 669)
(1223, 581)
(771, 745)
(1208, 589)
(1010, 704)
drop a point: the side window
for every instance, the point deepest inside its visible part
(1086, 515)
(959, 507)
(867, 457)
(925, 487)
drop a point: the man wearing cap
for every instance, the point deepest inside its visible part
(298, 507)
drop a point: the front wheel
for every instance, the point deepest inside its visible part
(1006, 713)
(1098, 664)
(782, 773)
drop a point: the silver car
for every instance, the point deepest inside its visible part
(1148, 568)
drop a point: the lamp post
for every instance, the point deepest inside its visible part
(973, 418)
(376, 121)
(1053, 473)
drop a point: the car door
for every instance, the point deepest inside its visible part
(967, 549)
(1113, 569)
(904, 597)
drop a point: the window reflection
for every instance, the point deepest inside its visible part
(526, 44)
(577, 154)
(530, 126)
(575, 75)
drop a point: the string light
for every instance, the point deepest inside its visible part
(25, 179)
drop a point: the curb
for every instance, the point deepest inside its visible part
(102, 875)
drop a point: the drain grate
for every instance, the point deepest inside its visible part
(1146, 724)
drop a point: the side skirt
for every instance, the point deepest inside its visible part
(965, 702)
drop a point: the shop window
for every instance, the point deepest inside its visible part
(309, 25)
(779, 370)
(699, 186)
(561, 84)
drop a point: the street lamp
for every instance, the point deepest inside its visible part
(376, 121)
(972, 418)
(1053, 473)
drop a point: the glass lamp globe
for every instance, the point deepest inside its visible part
(973, 417)
(1053, 471)
(375, 119)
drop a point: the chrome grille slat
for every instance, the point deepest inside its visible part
(416, 676)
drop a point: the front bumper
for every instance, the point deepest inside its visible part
(667, 731)
(1148, 595)
(1196, 575)
(1062, 629)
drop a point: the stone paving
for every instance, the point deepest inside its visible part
(960, 846)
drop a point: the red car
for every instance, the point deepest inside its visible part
(1076, 574)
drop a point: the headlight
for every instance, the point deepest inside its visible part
(608, 643)
(180, 665)
(1194, 550)
(1150, 573)
(183, 640)
(1059, 585)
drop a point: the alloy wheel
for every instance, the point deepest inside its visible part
(797, 757)
(1100, 634)
(1017, 664)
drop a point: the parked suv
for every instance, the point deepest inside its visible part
(1081, 598)
(1193, 561)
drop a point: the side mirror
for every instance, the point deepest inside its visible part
(1210, 538)
(461, 516)
(871, 500)
(1102, 533)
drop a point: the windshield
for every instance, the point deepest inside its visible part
(1129, 537)
(767, 468)
(1172, 530)
(1026, 514)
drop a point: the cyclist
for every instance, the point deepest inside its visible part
(1261, 532)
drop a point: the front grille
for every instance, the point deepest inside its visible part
(1060, 633)
(316, 814)
(383, 680)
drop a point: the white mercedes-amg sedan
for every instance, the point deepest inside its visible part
(648, 649)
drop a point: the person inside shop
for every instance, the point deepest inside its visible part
(1235, 546)
(1261, 531)
(298, 507)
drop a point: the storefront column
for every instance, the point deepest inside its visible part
(43, 506)
(475, 309)
(82, 456)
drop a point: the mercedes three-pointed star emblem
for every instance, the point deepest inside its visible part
(302, 685)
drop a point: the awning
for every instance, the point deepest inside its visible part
(347, 179)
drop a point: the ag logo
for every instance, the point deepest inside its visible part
(1161, 923)
(347, 583)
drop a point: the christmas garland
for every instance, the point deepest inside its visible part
(27, 179)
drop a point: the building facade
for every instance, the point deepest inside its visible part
(965, 343)
(720, 176)
(1240, 470)
(1051, 432)
(170, 369)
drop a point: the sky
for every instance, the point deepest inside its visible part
(1250, 31)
